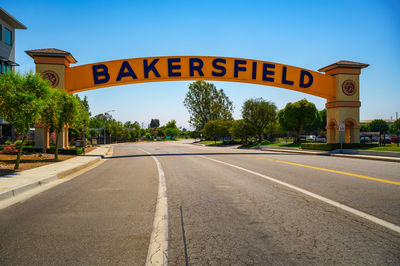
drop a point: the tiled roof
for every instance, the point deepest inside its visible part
(48, 51)
(343, 63)
(51, 52)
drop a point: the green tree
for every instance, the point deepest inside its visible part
(215, 129)
(60, 111)
(259, 113)
(82, 116)
(323, 115)
(171, 129)
(365, 127)
(154, 123)
(22, 99)
(395, 128)
(241, 129)
(205, 103)
(379, 125)
(316, 125)
(295, 115)
(92, 133)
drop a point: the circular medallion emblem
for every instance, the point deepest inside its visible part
(51, 76)
(349, 87)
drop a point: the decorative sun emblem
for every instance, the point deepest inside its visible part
(349, 87)
(51, 76)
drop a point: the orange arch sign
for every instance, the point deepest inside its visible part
(174, 68)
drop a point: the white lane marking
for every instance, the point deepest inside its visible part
(157, 253)
(364, 215)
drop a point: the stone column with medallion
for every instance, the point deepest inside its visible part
(345, 108)
(51, 63)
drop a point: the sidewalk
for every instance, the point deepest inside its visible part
(11, 185)
(379, 156)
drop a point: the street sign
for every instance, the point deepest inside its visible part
(342, 127)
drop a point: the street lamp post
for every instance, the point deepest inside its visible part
(104, 137)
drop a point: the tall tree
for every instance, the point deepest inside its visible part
(215, 129)
(205, 103)
(379, 125)
(60, 111)
(395, 128)
(22, 99)
(295, 115)
(241, 129)
(154, 123)
(171, 129)
(259, 113)
(82, 117)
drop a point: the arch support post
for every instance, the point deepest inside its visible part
(42, 137)
(345, 108)
(51, 63)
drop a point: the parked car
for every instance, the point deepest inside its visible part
(395, 139)
(385, 140)
(365, 139)
(320, 140)
(311, 138)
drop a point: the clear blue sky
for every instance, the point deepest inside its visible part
(307, 34)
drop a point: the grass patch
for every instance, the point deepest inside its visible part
(388, 147)
(291, 145)
(211, 142)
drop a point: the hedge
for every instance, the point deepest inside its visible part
(335, 146)
(73, 151)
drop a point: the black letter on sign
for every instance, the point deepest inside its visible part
(238, 68)
(310, 79)
(266, 72)
(125, 66)
(151, 67)
(219, 67)
(254, 73)
(102, 73)
(197, 68)
(284, 80)
(171, 67)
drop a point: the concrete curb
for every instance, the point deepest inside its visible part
(48, 179)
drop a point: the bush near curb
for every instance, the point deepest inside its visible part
(72, 151)
(335, 146)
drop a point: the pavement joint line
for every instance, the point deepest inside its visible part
(341, 206)
(157, 253)
(330, 170)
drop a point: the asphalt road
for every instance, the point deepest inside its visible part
(221, 210)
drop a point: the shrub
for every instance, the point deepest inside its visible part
(335, 146)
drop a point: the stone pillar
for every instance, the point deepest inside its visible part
(51, 63)
(63, 139)
(345, 108)
(42, 137)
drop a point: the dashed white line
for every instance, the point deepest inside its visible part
(364, 215)
(157, 253)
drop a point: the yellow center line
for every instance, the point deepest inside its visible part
(330, 170)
